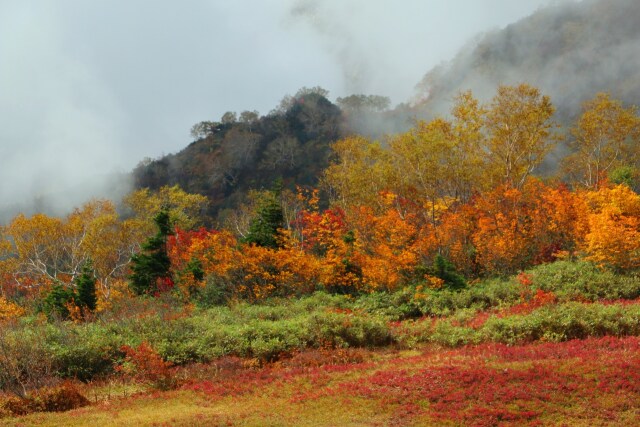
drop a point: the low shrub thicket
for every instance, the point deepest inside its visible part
(585, 281)
(62, 397)
(494, 310)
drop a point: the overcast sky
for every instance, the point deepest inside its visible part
(93, 86)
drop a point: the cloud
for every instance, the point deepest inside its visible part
(89, 88)
(59, 120)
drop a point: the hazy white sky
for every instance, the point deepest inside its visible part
(92, 86)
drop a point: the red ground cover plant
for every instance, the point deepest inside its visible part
(495, 384)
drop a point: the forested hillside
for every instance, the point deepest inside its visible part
(570, 51)
(231, 156)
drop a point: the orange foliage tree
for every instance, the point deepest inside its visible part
(613, 239)
(509, 229)
(517, 228)
(385, 245)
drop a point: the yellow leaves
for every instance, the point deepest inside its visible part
(441, 163)
(358, 175)
(605, 137)
(40, 249)
(108, 296)
(433, 282)
(519, 125)
(9, 310)
(185, 209)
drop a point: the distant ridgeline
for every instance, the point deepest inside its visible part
(569, 51)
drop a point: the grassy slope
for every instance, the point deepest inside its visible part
(496, 353)
(589, 382)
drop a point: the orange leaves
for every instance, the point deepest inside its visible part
(613, 239)
(508, 229)
(9, 310)
(213, 251)
(255, 272)
(385, 246)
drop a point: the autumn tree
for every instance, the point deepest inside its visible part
(613, 239)
(520, 132)
(197, 255)
(228, 118)
(605, 137)
(519, 227)
(467, 174)
(384, 245)
(249, 118)
(422, 162)
(41, 250)
(185, 209)
(204, 129)
(357, 174)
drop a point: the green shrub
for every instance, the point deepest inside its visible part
(82, 351)
(216, 291)
(446, 334)
(563, 322)
(347, 330)
(398, 305)
(584, 280)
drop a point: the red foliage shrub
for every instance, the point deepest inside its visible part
(144, 364)
(63, 397)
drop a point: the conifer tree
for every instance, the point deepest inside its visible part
(56, 303)
(152, 265)
(263, 229)
(444, 270)
(86, 288)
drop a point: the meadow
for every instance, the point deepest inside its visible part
(556, 344)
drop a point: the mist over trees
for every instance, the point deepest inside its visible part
(234, 155)
(569, 50)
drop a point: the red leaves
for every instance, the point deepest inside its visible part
(495, 384)
(144, 364)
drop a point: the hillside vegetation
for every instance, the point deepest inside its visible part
(440, 275)
(569, 51)
(442, 237)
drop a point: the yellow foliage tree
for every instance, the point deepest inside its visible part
(358, 174)
(185, 209)
(605, 137)
(520, 133)
(9, 310)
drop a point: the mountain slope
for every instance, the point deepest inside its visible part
(570, 51)
(290, 144)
